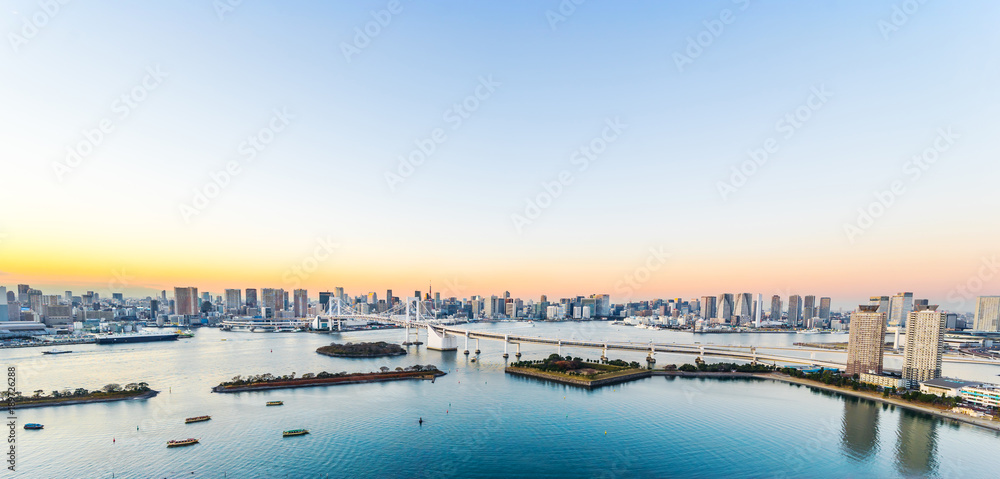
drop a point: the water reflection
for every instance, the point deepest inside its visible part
(916, 444)
(860, 428)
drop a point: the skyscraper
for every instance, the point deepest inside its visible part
(742, 310)
(809, 307)
(301, 303)
(758, 310)
(794, 310)
(707, 307)
(273, 300)
(186, 301)
(882, 302)
(866, 341)
(251, 297)
(987, 314)
(824, 308)
(4, 314)
(234, 299)
(900, 306)
(775, 308)
(924, 344)
(724, 308)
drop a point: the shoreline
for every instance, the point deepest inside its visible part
(335, 381)
(145, 395)
(926, 409)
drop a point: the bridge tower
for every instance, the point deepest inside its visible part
(506, 342)
(560, 347)
(518, 353)
(477, 345)
(650, 360)
(604, 354)
(466, 352)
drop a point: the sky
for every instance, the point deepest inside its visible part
(640, 149)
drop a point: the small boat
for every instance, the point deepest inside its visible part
(294, 432)
(182, 442)
(56, 351)
(33, 425)
(275, 403)
(197, 419)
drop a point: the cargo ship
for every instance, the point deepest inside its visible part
(197, 419)
(275, 403)
(182, 442)
(32, 425)
(294, 432)
(135, 338)
(56, 351)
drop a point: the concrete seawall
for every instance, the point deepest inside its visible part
(584, 383)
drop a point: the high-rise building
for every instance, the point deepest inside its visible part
(724, 308)
(301, 303)
(388, 298)
(22, 293)
(68, 296)
(603, 305)
(758, 311)
(775, 308)
(742, 309)
(272, 299)
(824, 308)
(882, 302)
(866, 341)
(338, 292)
(707, 307)
(4, 314)
(987, 314)
(372, 298)
(794, 310)
(234, 299)
(809, 307)
(324, 301)
(900, 306)
(924, 344)
(186, 301)
(251, 297)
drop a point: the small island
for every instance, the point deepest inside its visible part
(362, 350)
(108, 393)
(268, 381)
(578, 372)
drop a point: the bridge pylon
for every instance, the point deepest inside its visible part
(477, 346)
(466, 352)
(506, 342)
(518, 353)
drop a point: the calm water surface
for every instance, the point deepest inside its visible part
(478, 422)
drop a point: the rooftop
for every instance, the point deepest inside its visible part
(949, 383)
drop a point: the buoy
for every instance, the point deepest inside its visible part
(605, 433)
(112, 440)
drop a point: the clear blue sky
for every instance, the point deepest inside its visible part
(655, 186)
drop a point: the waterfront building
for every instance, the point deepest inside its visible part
(900, 306)
(273, 300)
(234, 299)
(987, 316)
(186, 301)
(824, 308)
(300, 303)
(887, 381)
(924, 345)
(985, 395)
(775, 308)
(758, 309)
(866, 341)
(251, 297)
(809, 307)
(794, 310)
(742, 309)
(945, 386)
(724, 308)
(707, 307)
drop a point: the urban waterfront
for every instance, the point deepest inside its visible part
(478, 422)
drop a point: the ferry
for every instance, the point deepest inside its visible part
(183, 442)
(275, 403)
(56, 351)
(184, 334)
(197, 419)
(294, 432)
(33, 425)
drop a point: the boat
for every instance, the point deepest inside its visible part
(197, 419)
(135, 338)
(275, 403)
(56, 351)
(182, 442)
(184, 334)
(33, 425)
(294, 432)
